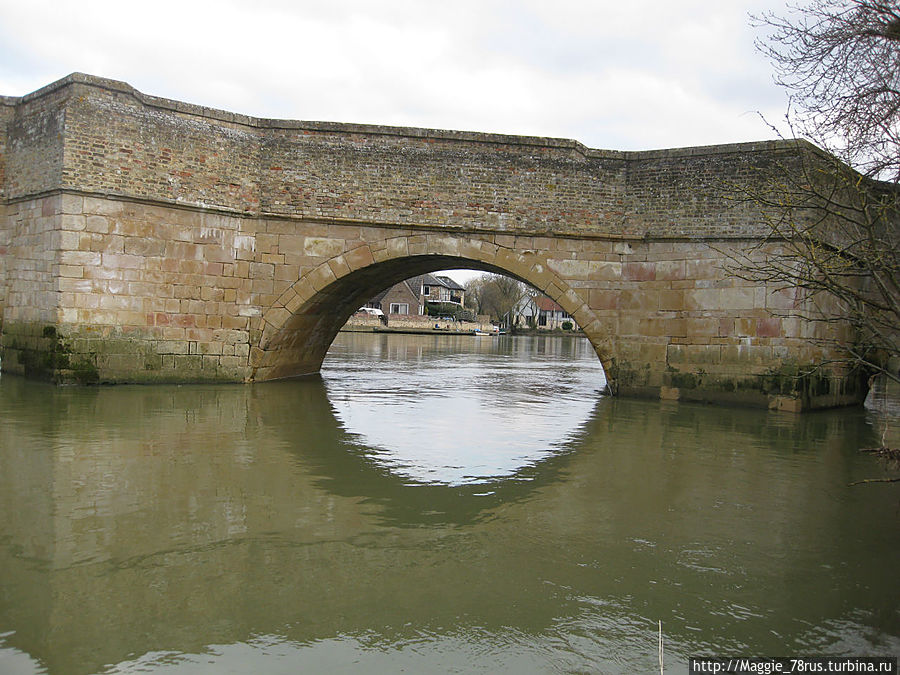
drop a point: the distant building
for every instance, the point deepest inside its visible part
(401, 298)
(440, 289)
(539, 311)
(412, 296)
(550, 315)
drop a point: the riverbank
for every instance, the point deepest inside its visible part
(426, 325)
(415, 325)
(555, 332)
(409, 330)
(426, 330)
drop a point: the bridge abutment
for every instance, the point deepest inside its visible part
(144, 240)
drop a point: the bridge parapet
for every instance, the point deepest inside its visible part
(101, 137)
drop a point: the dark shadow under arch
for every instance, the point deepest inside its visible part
(296, 339)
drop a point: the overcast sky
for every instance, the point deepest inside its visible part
(613, 74)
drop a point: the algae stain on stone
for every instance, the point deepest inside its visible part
(51, 358)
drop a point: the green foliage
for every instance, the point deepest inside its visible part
(450, 309)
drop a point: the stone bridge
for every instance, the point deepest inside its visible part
(149, 240)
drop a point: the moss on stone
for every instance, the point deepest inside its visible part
(42, 353)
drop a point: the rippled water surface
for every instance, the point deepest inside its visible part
(433, 504)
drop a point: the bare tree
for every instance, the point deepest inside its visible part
(833, 243)
(496, 295)
(475, 294)
(839, 60)
(834, 215)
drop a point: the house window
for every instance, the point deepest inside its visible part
(399, 308)
(426, 290)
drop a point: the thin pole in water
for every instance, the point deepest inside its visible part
(660, 649)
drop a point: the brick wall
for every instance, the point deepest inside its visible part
(35, 136)
(103, 137)
(114, 144)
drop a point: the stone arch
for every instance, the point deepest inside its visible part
(297, 330)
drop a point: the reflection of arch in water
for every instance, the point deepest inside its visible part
(304, 320)
(463, 412)
(303, 414)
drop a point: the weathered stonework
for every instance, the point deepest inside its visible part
(147, 240)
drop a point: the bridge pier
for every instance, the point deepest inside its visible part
(144, 240)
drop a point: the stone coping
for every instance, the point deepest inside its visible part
(118, 86)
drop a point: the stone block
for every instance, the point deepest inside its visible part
(82, 258)
(339, 266)
(100, 206)
(703, 269)
(262, 286)
(782, 299)
(442, 244)
(144, 247)
(261, 271)
(74, 285)
(213, 253)
(291, 243)
(359, 257)
(639, 300)
(702, 327)
(671, 301)
(670, 270)
(599, 299)
(539, 275)
(98, 224)
(321, 277)
(172, 347)
(739, 298)
(73, 271)
(769, 327)
(322, 247)
(703, 299)
(570, 269)
(745, 327)
(744, 355)
(639, 271)
(702, 355)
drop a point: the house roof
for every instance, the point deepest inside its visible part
(545, 304)
(446, 282)
(415, 285)
(414, 288)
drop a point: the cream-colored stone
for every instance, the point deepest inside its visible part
(669, 393)
(322, 247)
(71, 204)
(359, 257)
(321, 277)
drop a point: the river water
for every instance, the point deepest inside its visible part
(434, 504)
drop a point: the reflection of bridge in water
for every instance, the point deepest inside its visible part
(150, 240)
(143, 519)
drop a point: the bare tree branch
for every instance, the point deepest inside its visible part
(833, 214)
